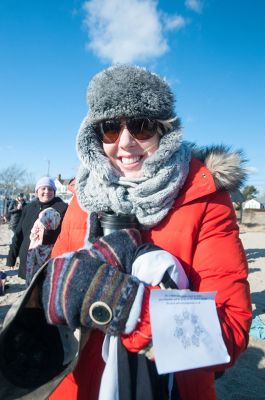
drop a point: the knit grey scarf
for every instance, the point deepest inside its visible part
(149, 198)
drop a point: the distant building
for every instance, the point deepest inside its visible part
(63, 186)
(252, 204)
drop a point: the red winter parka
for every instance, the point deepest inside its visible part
(201, 231)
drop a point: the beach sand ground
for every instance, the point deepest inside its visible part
(246, 380)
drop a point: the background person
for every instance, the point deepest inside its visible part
(15, 211)
(45, 191)
(6, 204)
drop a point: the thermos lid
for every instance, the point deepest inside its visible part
(118, 221)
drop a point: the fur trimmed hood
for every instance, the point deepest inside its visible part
(226, 166)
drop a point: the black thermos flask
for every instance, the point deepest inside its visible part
(111, 222)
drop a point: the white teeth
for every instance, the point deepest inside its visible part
(130, 160)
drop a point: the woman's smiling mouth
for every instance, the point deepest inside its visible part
(130, 160)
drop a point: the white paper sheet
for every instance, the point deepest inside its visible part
(186, 331)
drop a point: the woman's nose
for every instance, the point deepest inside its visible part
(125, 138)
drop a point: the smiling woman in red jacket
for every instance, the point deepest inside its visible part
(134, 162)
(180, 196)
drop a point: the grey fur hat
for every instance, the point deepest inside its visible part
(129, 91)
(122, 91)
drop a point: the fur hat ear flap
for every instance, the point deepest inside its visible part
(90, 150)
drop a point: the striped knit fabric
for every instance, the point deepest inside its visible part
(118, 248)
(74, 282)
(116, 289)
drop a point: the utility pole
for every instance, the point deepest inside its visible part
(48, 170)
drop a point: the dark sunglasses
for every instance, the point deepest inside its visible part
(139, 128)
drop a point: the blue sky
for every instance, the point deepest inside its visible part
(212, 53)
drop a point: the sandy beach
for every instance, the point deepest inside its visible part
(246, 380)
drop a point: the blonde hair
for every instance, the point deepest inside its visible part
(166, 125)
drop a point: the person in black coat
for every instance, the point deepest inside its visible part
(6, 204)
(15, 211)
(45, 190)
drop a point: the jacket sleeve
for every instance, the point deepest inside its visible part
(16, 242)
(73, 230)
(220, 265)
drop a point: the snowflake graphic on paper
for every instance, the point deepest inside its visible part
(188, 329)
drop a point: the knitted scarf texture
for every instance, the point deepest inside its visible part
(100, 188)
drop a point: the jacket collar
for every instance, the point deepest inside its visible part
(199, 183)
